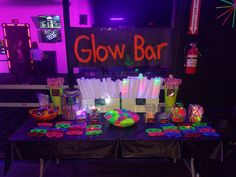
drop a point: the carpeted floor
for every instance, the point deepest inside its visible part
(100, 168)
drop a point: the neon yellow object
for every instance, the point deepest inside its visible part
(56, 98)
(170, 98)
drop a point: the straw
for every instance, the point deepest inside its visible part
(172, 83)
(85, 87)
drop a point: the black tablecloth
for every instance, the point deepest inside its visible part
(114, 142)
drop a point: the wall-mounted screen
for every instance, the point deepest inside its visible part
(52, 21)
(51, 35)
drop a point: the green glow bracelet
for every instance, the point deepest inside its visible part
(38, 130)
(153, 130)
(199, 124)
(186, 128)
(62, 125)
(95, 132)
(169, 127)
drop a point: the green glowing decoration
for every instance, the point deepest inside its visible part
(94, 132)
(38, 130)
(140, 75)
(230, 10)
(128, 61)
(153, 130)
(157, 81)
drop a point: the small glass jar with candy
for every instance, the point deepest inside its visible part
(178, 113)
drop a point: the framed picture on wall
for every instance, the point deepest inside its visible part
(50, 35)
(52, 21)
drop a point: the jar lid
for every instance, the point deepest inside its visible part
(72, 92)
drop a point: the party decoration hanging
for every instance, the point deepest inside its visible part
(227, 11)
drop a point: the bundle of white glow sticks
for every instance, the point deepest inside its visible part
(131, 87)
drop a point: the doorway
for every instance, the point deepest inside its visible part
(12, 34)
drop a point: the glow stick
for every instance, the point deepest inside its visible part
(145, 84)
(227, 2)
(157, 87)
(148, 92)
(136, 88)
(81, 88)
(233, 18)
(104, 86)
(131, 87)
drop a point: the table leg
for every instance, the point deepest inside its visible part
(174, 160)
(57, 161)
(192, 167)
(222, 152)
(12, 152)
(41, 167)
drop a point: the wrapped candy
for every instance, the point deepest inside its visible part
(195, 113)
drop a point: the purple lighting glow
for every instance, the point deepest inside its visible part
(117, 19)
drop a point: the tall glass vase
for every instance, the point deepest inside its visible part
(56, 94)
(56, 89)
(170, 98)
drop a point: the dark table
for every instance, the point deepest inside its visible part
(113, 143)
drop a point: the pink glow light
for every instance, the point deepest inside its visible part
(117, 19)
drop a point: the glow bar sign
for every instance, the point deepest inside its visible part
(194, 17)
(117, 47)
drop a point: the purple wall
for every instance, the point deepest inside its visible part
(24, 11)
(81, 7)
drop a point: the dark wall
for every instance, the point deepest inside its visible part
(138, 13)
(214, 83)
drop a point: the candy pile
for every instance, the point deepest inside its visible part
(121, 117)
(46, 113)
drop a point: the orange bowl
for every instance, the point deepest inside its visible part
(44, 115)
